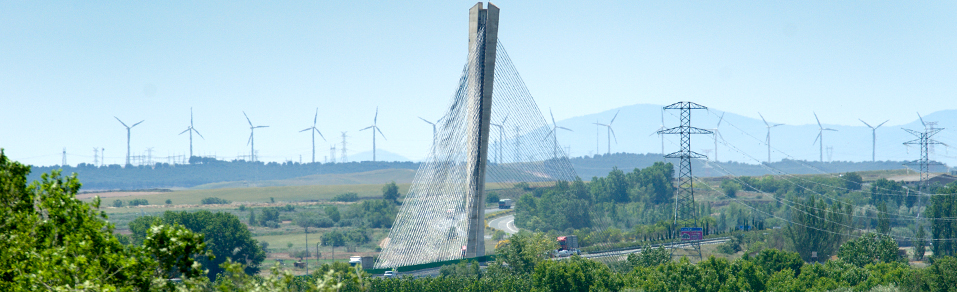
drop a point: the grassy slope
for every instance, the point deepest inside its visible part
(382, 176)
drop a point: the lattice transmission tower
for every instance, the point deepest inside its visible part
(685, 208)
(925, 143)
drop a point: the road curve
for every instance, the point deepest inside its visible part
(504, 223)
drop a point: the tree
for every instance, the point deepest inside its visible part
(226, 237)
(332, 212)
(525, 249)
(920, 243)
(53, 241)
(492, 198)
(390, 192)
(883, 220)
(853, 181)
(943, 206)
(819, 227)
(869, 248)
(649, 257)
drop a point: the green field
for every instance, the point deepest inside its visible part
(260, 194)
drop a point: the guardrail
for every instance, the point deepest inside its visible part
(431, 265)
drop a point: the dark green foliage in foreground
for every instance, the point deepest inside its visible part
(49, 240)
(870, 248)
(226, 237)
(944, 205)
(347, 197)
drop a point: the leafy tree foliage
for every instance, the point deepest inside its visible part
(390, 192)
(942, 206)
(214, 200)
(870, 248)
(226, 237)
(346, 197)
(524, 250)
(649, 257)
(332, 212)
(49, 240)
(820, 227)
(373, 213)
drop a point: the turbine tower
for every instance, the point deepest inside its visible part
(767, 139)
(374, 130)
(873, 138)
(252, 142)
(501, 132)
(313, 130)
(554, 132)
(611, 133)
(128, 137)
(190, 129)
(717, 134)
(820, 135)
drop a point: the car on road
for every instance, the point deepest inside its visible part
(389, 274)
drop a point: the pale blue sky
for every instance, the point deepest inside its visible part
(69, 67)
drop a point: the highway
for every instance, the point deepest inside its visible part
(504, 223)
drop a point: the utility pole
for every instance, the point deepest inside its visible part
(685, 208)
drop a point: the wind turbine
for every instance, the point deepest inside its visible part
(717, 135)
(434, 134)
(820, 135)
(501, 132)
(313, 131)
(252, 142)
(374, 129)
(128, 137)
(611, 133)
(768, 137)
(190, 129)
(554, 132)
(873, 138)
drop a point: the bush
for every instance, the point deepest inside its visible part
(271, 224)
(138, 202)
(215, 201)
(302, 253)
(498, 235)
(347, 197)
(242, 208)
(289, 208)
(169, 202)
(491, 198)
(117, 203)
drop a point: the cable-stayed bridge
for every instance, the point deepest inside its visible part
(442, 216)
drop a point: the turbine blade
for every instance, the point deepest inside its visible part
(380, 133)
(921, 120)
(257, 127)
(320, 134)
(184, 131)
(315, 118)
(816, 138)
(376, 118)
(765, 121)
(613, 118)
(306, 129)
(721, 119)
(868, 125)
(818, 120)
(613, 134)
(250, 140)
(563, 128)
(878, 126)
(190, 117)
(775, 125)
(366, 128)
(134, 125)
(121, 122)
(197, 132)
(427, 121)
(829, 129)
(552, 114)
(247, 119)
(547, 135)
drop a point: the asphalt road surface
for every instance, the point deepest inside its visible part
(504, 223)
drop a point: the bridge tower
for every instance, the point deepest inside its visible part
(483, 39)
